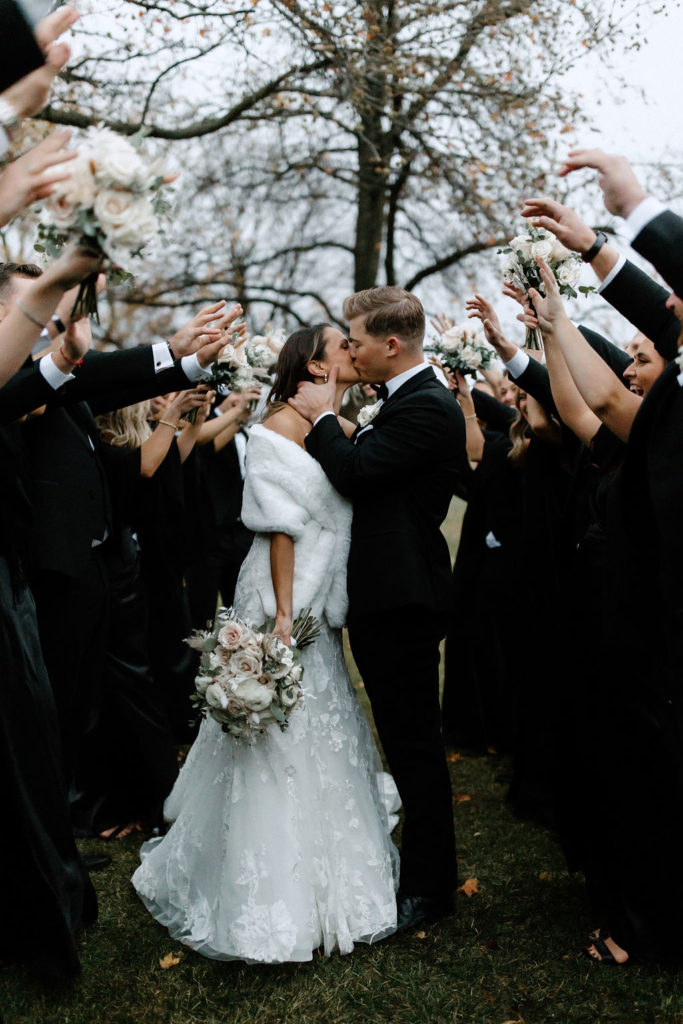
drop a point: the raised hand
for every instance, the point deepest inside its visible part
(442, 323)
(194, 398)
(620, 187)
(202, 328)
(562, 221)
(52, 26)
(549, 308)
(71, 267)
(34, 174)
(481, 308)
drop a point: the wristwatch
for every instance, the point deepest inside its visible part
(600, 239)
(9, 119)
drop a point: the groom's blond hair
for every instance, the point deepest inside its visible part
(389, 310)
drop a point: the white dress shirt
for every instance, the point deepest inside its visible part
(392, 385)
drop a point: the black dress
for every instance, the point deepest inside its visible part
(129, 764)
(45, 893)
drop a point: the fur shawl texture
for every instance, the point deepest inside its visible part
(286, 491)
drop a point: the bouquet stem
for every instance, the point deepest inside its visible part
(86, 300)
(534, 339)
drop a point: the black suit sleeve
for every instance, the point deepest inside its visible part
(661, 242)
(106, 380)
(387, 454)
(643, 302)
(536, 382)
(497, 416)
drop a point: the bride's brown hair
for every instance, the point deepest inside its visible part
(302, 347)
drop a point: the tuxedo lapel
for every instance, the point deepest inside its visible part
(414, 384)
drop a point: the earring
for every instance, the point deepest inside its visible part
(325, 378)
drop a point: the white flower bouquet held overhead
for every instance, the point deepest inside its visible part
(249, 680)
(111, 204)
(521, 267)
(463, 349)
(263, 350)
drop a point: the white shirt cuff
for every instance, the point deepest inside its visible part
(4, 142)
(52, 374)
(644, 212)
(518, 364)
(616, 269)
(192, 370)
(162, 355)
(329, 412)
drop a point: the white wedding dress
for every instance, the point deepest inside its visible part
(283, 847)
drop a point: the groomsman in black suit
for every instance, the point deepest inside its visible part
(401, 471)
(68, 489)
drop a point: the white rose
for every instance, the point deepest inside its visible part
(216, 697)
(542, 250)
(202, 683)
(560, 252)
(125, 219)
(289, 695)
(523, 244)
(253, 694)
(295, 674)
(117, 163)
(245, 663)
(77, 192)
(233, 635)
(452, 339)
(568, 272)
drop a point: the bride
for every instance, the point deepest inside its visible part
(283, 847)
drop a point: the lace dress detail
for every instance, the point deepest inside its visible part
(283, 847)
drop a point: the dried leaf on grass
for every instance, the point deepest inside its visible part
(420, 935)
(461, 798)
(470, 886)
(452, 756)
(170, 960)
(545, 876)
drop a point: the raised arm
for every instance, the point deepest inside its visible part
(601, 389)
(474, 439)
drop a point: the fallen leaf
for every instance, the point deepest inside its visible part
(461, 798)
(470, 886)
(512, 1022)
(420, 935)
(453, 757)
(545, 876)
(170, 960)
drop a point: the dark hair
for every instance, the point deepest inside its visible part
(301, 347)
(389, 310)
(10, 270)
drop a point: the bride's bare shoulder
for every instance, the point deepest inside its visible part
(289, 424)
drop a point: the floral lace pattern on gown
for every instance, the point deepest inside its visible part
(282, 847)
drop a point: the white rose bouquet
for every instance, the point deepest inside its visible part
(463, 348)
(521, 267)
(263, 350)
(249, 680)
(111, 203)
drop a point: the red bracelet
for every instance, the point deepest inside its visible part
(71, 362)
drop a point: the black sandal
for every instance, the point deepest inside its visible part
(605, 955)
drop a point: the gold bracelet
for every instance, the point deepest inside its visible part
(173, 426)
(29, 316)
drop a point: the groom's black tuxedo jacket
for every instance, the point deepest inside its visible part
(642, 301)
(400, 475)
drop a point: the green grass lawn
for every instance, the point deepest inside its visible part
(511, 953)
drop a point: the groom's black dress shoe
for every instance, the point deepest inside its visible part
(414, 911)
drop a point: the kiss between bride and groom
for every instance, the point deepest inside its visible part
(282, 847)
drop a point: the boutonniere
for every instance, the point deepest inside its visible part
(367, 414)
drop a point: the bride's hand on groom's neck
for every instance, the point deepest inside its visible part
(312, 400)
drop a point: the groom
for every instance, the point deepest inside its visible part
(400, 470)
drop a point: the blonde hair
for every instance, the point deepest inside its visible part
(126, 428)
(389, 310)
(519, 429)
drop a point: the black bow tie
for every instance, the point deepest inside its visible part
(382, 392)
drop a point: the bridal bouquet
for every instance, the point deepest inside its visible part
(462, 348)
(110, 204)
(249, 680)
(263, 350)
(521, 267)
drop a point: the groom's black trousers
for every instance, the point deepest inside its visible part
(397, 654)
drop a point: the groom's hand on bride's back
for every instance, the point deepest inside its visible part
(312, 400)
